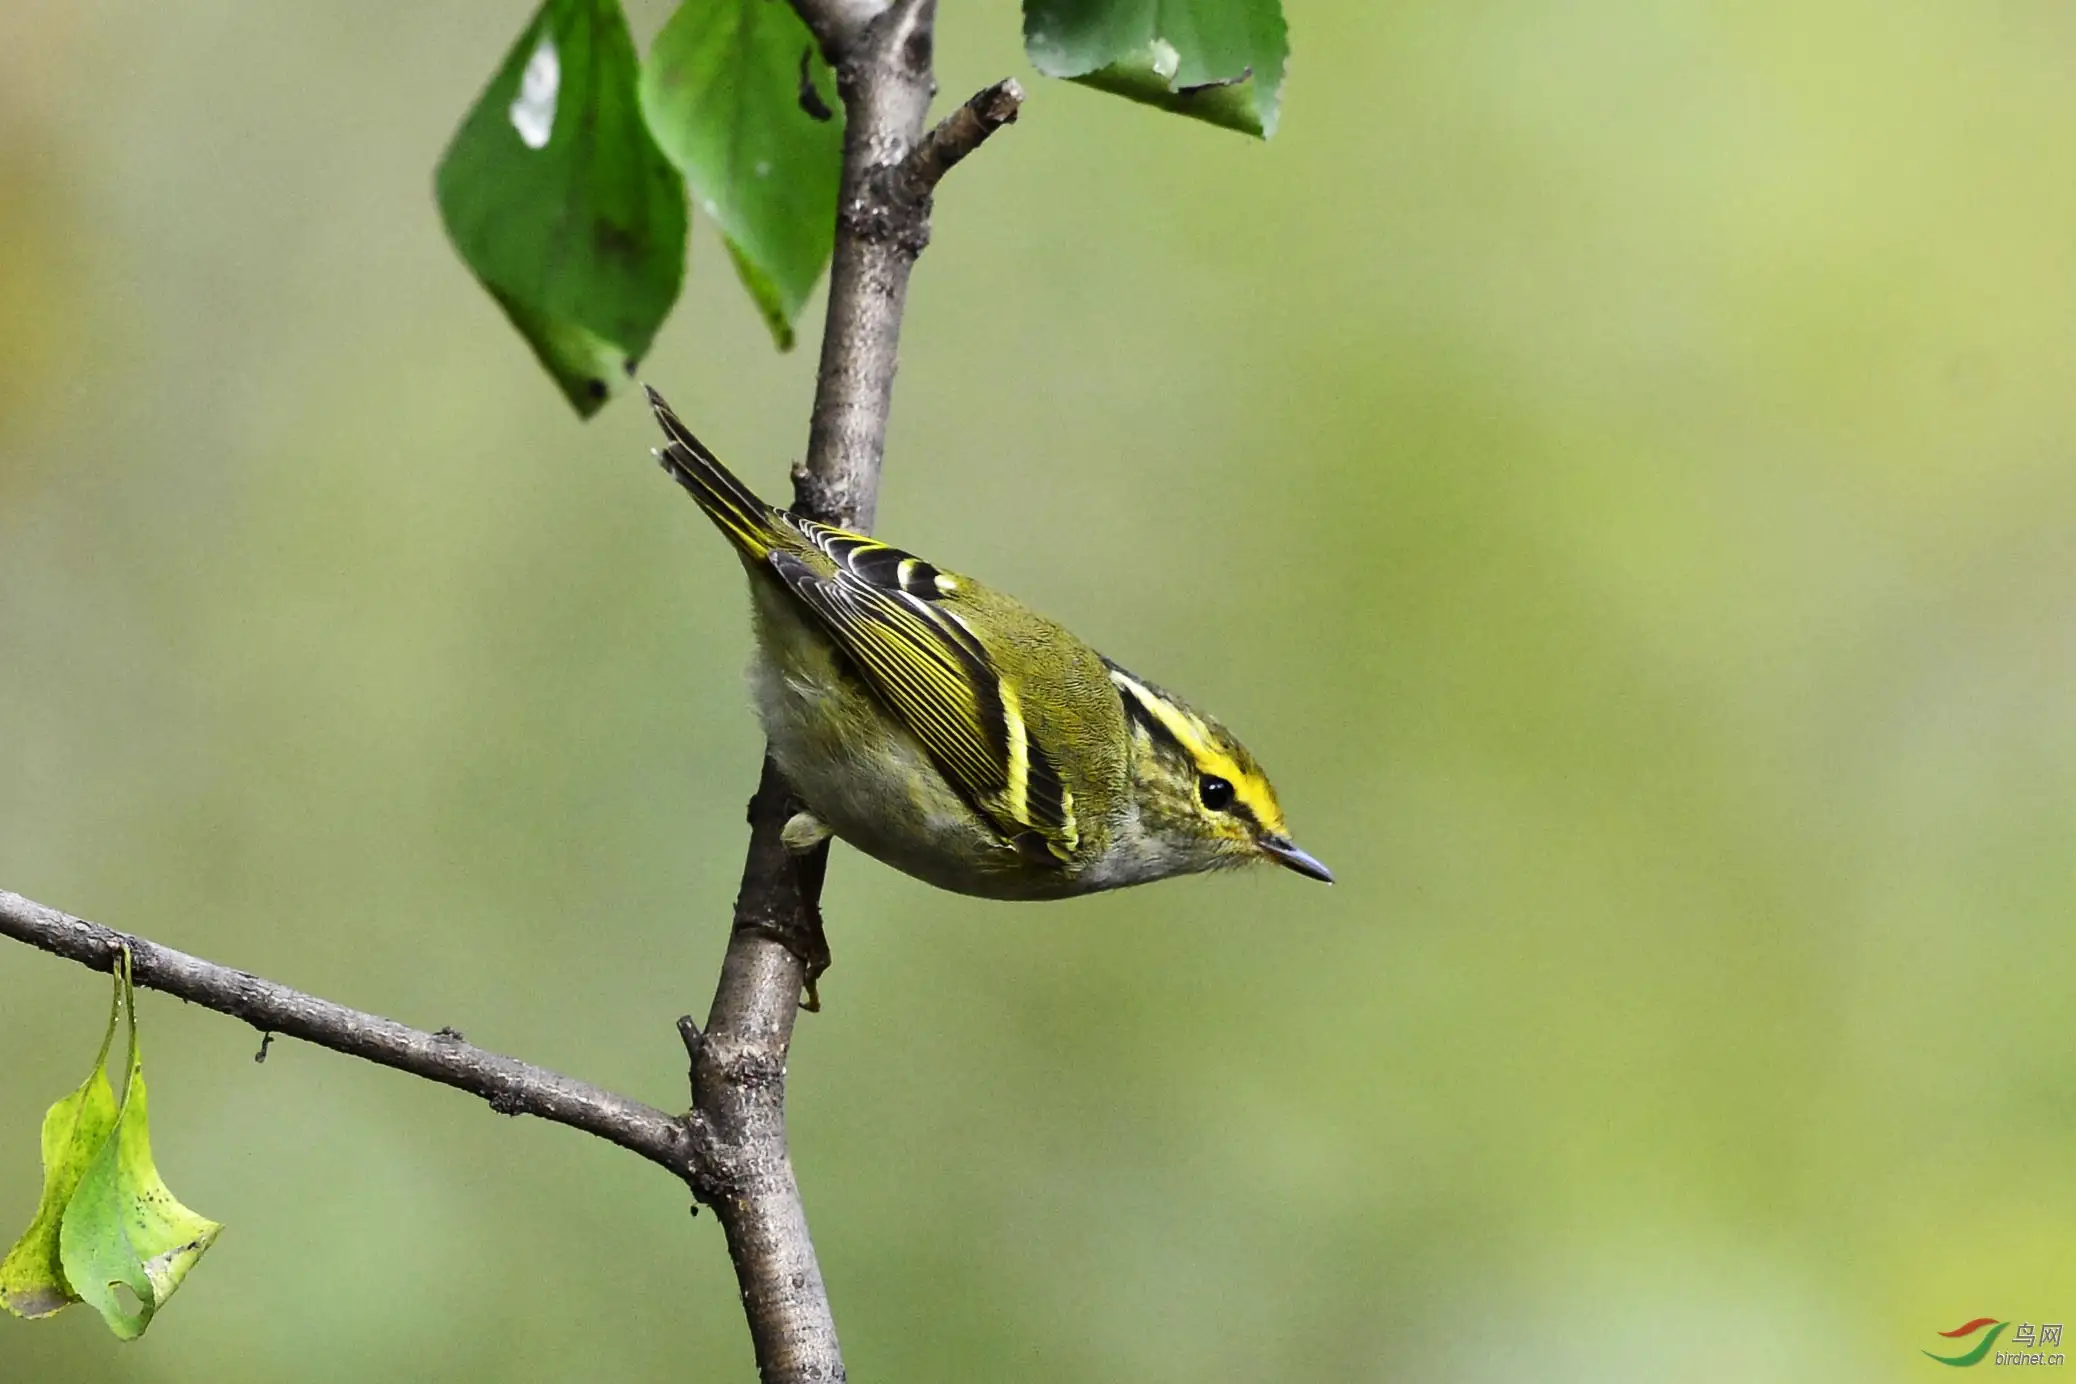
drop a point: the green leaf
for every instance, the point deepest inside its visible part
(722, 93)
(107, 1220)
(123, 1227)
(32, 1276)
(1217, 60)
(561, 204)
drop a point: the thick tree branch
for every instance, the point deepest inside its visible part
(512, 1087)
(886, 84)
(882, 58)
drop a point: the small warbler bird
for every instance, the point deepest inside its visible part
(959, 736)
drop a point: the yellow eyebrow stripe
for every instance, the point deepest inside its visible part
(1265, 811)
(1209, 756)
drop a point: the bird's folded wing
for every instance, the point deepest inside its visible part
(939, 680)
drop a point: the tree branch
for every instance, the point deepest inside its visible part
(731, 1150)
(958, 135)
(776, 947)
(886, 84)
(512, 1087)
(837, 24)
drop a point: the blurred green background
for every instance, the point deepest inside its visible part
(1612, 464)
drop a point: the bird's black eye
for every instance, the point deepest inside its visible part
(1216, 793)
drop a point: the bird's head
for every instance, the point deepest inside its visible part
(1203, 801)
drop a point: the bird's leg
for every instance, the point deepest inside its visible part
(806, 836)
(806, 939)
(782, 880)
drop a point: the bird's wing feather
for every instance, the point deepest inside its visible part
(885, 609)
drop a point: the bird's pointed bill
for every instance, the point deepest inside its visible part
(1285, 852)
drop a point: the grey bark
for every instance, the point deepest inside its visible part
(882, 60)
(512, 1087)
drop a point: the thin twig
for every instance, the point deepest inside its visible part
(958, 135)
(512, 1087)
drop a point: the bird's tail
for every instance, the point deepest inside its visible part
(733, 506)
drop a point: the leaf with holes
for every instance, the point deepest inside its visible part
(123, 1228)
(1217, 60)
(562, 205)
(739, 98)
